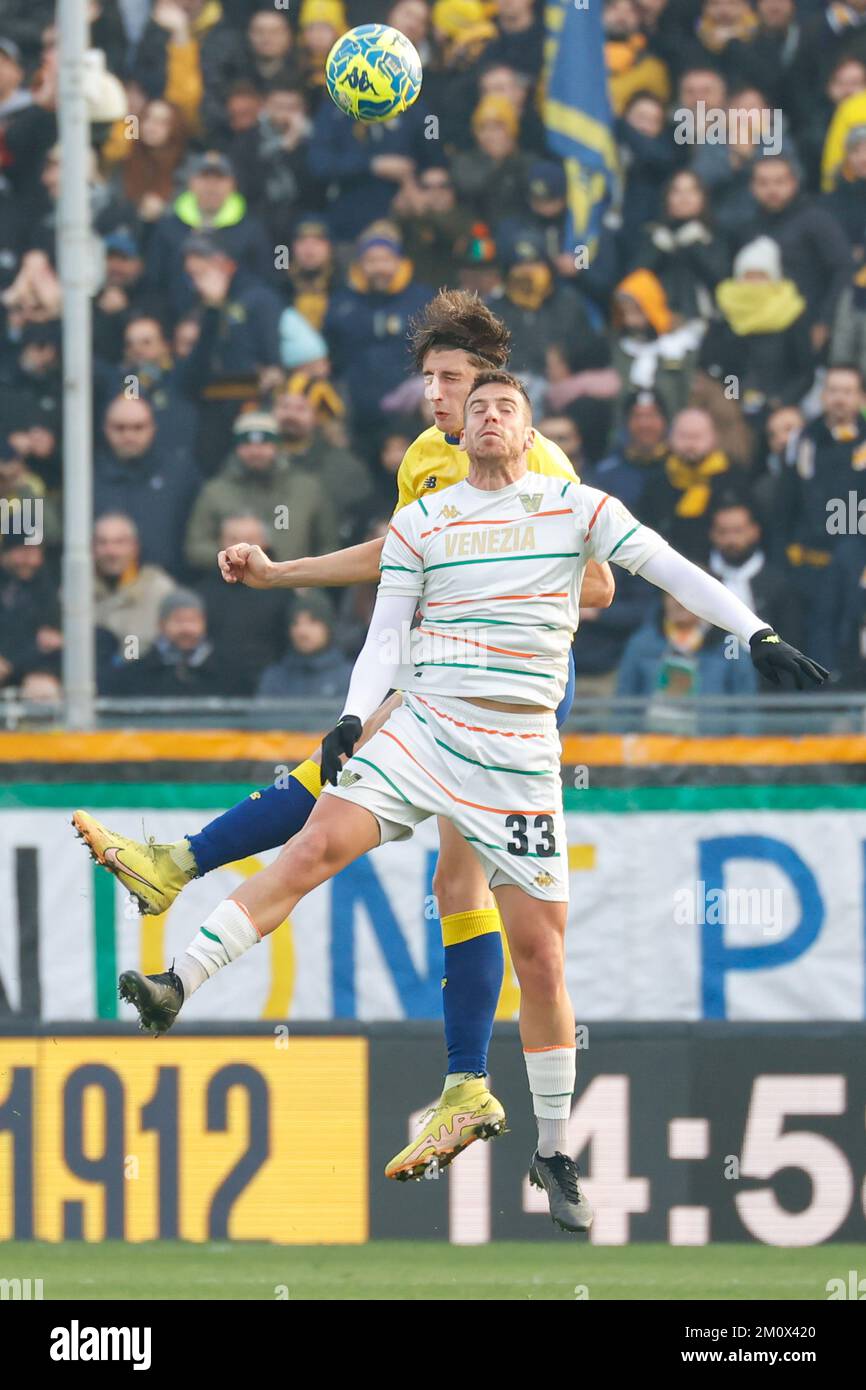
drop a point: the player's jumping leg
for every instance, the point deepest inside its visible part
(536, 937)
(154, 874)
(336, 834)
(471, 984)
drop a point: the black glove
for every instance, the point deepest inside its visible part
(340, 740)
(772, 656)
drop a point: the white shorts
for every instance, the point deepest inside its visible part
(494, 775)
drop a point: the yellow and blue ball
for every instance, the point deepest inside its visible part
(373, 73)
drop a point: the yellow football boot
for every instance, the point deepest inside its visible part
(461, 1115)
(150, 873)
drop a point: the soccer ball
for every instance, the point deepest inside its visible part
(373, 73)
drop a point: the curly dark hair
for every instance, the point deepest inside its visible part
(489, 378)
(459, 319)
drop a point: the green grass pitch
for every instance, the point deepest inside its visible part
(397, 1270)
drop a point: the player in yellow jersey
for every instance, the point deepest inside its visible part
(456, 337)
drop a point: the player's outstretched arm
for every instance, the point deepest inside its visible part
(707, 598)
(373, 675)
(598, 586)
(248, 564)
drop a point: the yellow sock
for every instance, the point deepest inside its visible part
(309, 774)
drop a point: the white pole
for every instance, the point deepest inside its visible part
(74, 253)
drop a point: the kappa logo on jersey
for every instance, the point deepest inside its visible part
(430, 482)
(450, 512)
(531, 501)
(543, 878)
(348, 779)
(500, 540)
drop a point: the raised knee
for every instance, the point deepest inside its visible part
(307, 853)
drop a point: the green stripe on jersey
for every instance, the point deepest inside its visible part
(404, 568)
(490, 767)
(421, 505)
(504, 559)
(356, 757)
(623, 540)
(565, 489)
(477, 666)
(489, 622)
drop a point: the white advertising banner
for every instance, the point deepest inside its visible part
(704, 913)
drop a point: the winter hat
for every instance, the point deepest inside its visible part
(647, 290)
(179, 598)
(761, 254)
(299, 341)
(495, 108)
(323, 12)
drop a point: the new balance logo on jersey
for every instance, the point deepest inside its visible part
(450, 513)
(531, 501)
(500, 540)
(430, 482)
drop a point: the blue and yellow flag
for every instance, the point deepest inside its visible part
(578, 116)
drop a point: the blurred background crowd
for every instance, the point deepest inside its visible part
(256, 258)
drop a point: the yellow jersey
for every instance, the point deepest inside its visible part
(435, 461)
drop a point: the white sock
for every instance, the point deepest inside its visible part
(456, 1078)
(551, 1072)
(226, 934)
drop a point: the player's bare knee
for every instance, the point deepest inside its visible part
(456, 892)
(308, 856)
(539, 969)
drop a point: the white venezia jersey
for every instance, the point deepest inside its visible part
(497, 576)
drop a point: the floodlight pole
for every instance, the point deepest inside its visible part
(74, 261)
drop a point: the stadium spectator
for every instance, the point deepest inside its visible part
(681, 250)
(181, 663)
(28, 131)
(148, 173)
(124, 292)
(314, 667)
(247, 626)
(647, 157)
(492, 178)
(373, 309)
(823, 493)
(760, 348)
(846, 204)
(272, 162)
(637, 464)
(26, 509)
(147, 476)
(310, 271)
(631, 66)
(127, 594)
(541, 310)
(815, 106)
(342, 477)
(651, 349)
(848, 339)
(815, 251)
(42, 687)
(519, 39)
(261, 479)
(679, 503)
(188, 55)
(209, 204)
(432, 223)
(675, 654)
(737, 557)
(562, 430)
(30, 627)
(363, 166)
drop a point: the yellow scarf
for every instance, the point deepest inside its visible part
(692, 480)
(759, 306)
(707, 32)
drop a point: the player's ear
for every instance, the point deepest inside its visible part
(461, 443)
(529, 440)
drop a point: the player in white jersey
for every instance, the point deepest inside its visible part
(495, 566)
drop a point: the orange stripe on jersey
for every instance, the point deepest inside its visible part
(393, 528)
(489, 598)
(473, 728)
(475, 805)
(483, 646)
(594, 518)
(503, 521)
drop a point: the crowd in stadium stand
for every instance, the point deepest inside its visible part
(256, 258)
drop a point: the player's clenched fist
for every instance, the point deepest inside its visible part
(246, 564)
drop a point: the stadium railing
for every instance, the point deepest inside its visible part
(792, 713)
